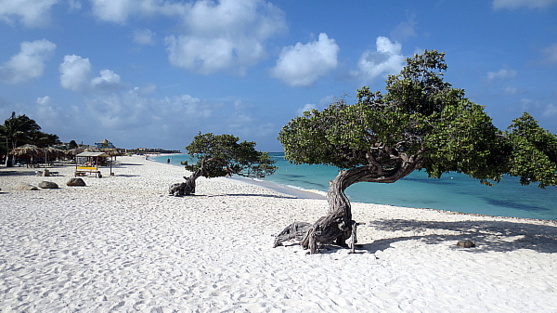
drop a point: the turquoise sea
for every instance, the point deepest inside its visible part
(453, 192)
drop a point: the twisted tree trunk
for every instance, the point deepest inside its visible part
(186, 188)
(190, 181)
(336, 226)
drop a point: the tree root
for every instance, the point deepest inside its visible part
(183, 189)
(293, 232)
(312, 236)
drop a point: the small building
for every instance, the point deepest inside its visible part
(105, 144)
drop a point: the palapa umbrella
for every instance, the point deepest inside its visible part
(53, 152)
(75, 151)
(27, 151)
(113, 152)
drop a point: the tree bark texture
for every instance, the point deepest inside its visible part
(337, 226)
(186, 188)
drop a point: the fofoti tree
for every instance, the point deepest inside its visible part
(222, 155)
(420, 123)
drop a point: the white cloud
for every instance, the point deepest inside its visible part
(224, 36)
(536, 107)
(550, 53)
(29, 63)
(32, 13)
(74, 72)
(47, 113)
(43, 100)
(144, 37)
(107, 81)
(515, 4)
(307, 107)
(144, 90)
(387, 59)
(303, 64)
(502, 74)
(116, 11)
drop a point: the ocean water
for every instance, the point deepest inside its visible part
(452, 192)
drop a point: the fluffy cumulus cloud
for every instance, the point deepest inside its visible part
(515, 4)
(29, 63)
(107, 81)
(224, 36)
(32, 13)
(75, 72)
(116, 11)
(502, 74)
(386, 59)
(303, 64)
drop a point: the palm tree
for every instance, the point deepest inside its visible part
(17, 129)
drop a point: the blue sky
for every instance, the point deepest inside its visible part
(153, 73)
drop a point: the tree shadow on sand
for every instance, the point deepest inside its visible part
(500, 236)
(254, 195)
(18, 173)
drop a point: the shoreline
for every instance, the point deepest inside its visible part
(302, 193)
(296, 192)
(121, 243)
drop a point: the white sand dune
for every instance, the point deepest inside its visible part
(121, 244)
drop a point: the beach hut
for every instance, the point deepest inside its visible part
(88, 162)
(28, 152)
(53, 153)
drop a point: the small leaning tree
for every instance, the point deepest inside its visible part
(420, 123)
(222, 155)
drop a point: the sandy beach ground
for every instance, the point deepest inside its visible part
(121, 244)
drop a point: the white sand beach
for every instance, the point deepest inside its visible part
(122, 244)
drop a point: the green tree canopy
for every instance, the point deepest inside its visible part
(222, 155)
(17, 130)
(421, 122)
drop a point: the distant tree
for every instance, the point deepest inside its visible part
(421, 123)
(41, 139)
(72, 145)
(222, 155)
(16, 130)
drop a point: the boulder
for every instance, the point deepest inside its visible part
(466, 244)
(48, 185)
(76, 181)
(23, 186)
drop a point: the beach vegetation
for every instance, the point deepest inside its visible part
(420, 122)
(222, 156)
(19, 130)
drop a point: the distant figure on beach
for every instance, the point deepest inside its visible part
(167, 161)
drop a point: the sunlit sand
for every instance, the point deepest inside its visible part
(122, 243)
